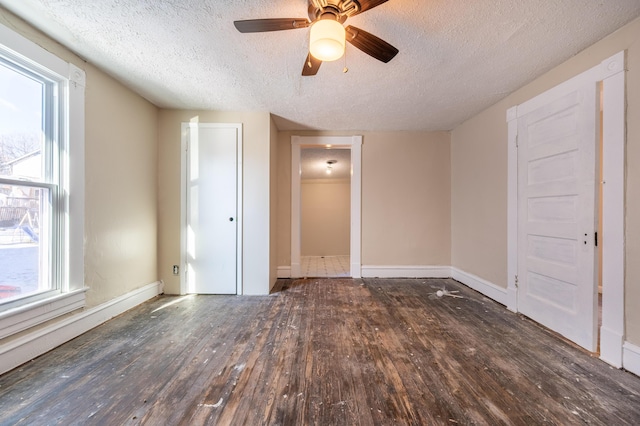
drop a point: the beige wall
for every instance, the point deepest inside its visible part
(478, 197)
(406, 200)
(283, 257)
(121, 158)
(405, 197)
(479, 173)
(120, 179)
(257, 223)
(325, 216)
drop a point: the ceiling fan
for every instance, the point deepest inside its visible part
(327, 34)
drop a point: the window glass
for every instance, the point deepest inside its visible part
(25, 210)
(21, 124)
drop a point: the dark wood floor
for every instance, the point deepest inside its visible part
(325, 352)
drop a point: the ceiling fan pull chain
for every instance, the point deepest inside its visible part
(309, 64)
(345, 69)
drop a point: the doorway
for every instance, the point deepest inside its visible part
(526, 210)
(353, 144)
(325, 204)
(212, 223)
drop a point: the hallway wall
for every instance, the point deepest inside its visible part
(326, 217)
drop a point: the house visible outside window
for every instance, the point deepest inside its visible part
(41, 184)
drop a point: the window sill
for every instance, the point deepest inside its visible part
(21, 318)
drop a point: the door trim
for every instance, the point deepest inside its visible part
(611, 72)
(354, 143)
(184, 158)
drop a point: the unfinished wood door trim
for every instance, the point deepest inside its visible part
(611, 73)
(354, 143)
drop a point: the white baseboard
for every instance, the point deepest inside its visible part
(389, 271)
(284, 271)
(27, 347)
(402, 271)
(631, 358)
(483, 286)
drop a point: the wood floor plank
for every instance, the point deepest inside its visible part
(321, 352)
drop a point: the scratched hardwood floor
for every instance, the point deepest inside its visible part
(323, 352)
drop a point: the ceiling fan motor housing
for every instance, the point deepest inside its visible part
(340, 9)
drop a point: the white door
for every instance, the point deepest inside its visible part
(557, 136)
(212, 209)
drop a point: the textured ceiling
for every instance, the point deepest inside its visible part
(314, 163)
(456, 57)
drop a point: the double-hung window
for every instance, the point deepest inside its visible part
(41, 184)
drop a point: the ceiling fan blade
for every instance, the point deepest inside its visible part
(370, 44)
(278, 24)
(311, 66)
(369, 4)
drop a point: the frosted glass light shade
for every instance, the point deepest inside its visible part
(327, 40)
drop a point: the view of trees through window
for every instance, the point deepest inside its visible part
(23, 204)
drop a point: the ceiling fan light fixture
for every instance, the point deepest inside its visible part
(327, 40)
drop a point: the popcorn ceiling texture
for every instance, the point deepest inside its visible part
(314, 163)
(456, 57)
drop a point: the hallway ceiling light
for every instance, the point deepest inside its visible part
(330, 163)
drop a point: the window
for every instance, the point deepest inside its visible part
(41, 184)
(29, 182)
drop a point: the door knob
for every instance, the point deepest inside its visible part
(230, 219)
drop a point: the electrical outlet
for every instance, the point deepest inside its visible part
(176, 270)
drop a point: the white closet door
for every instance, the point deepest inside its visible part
(212, 216)
(557, 136)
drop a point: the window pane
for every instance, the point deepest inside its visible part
(21, 124)
(24, 241)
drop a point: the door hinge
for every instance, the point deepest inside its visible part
(516, 141)
(516, 281)
(596, 238)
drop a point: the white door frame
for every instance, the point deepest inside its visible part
(186, 128)
(354, 143)
(611, 73)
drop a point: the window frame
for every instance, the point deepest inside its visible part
(54, 109)
(67, 165)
